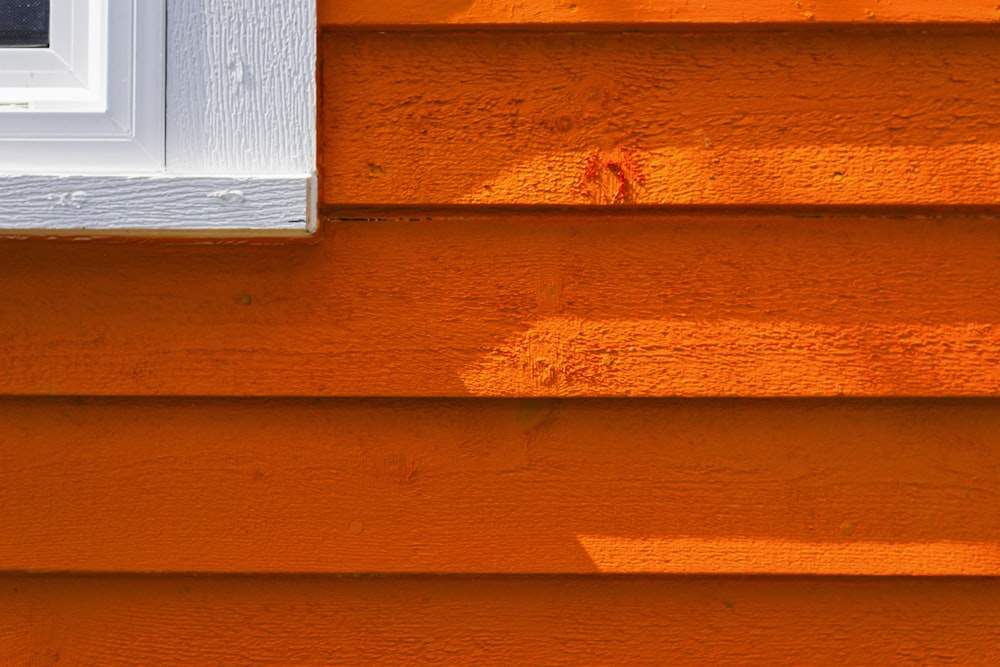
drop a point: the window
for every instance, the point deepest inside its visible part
(24, 23)
(158, 115)
(93, 99)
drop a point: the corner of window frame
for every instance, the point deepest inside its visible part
(208, 127)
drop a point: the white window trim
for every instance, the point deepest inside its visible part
(234, 147)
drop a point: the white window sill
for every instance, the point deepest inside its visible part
(137, 205)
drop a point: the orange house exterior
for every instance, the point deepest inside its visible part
(634, 333)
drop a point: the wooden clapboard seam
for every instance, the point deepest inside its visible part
(333, 214)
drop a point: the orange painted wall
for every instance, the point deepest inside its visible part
(138, 619)
(634, 334)
(812, 116)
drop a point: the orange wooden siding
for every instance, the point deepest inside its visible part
(500, 486)
(137, 620)
(764, 117)
(431, 303)
(635, 333)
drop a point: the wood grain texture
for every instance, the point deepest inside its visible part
(639, 13)
(150, 204)
(500, 486)
(518, 304)
(241, 94)
(787, 117)
(495, 621)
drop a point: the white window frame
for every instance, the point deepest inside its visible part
(147, 116)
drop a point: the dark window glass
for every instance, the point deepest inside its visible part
(24, 23)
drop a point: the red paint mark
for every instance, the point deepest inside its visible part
(613, 177)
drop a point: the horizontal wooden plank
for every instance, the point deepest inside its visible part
(518, 304)
(645, 13)
(495, 621)
(833, 486)
(793, 117)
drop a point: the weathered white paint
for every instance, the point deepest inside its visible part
(141, 204)
(239, 134)
(241, 86)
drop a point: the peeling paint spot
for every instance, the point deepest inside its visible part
(74, 199)
(235, 66)
(228, 196)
